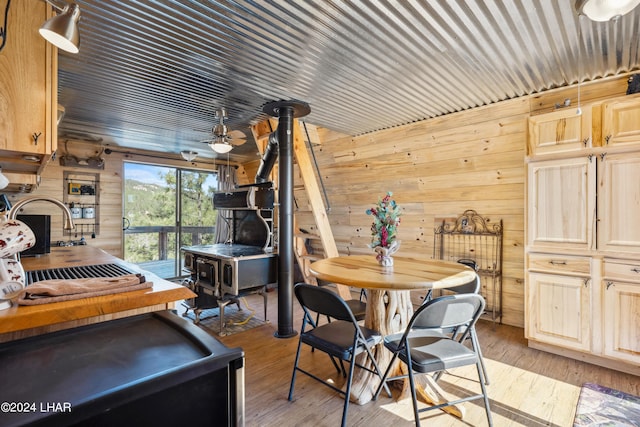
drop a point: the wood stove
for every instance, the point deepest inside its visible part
(247, 263)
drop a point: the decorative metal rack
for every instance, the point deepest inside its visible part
(471, 237)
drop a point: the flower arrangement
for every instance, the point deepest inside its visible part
(386, 218)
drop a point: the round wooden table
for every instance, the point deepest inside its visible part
(389, 306)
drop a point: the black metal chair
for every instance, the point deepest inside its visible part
(426, 349)
(473, 287)
(343, 338)
(469, 288)
(358, 306)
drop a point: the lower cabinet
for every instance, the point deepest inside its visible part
(585, 307)
(621, 317)
(559, 310)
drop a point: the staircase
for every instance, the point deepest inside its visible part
(309, 182)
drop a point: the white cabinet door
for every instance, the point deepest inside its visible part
(619, 203)
(559, 310)
(561, 203)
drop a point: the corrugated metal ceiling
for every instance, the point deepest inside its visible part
(150, 74)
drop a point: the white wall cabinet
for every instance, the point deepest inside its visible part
(583, 240)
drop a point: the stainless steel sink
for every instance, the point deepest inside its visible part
(83, 272)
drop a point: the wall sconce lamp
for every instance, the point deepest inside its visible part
(605, 10)
(62, 29)
(220, 145)
(189, 155)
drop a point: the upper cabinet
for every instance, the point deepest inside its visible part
(28, 91)
(560, 131)
(621, 121)
(561, 203)
(619, 202)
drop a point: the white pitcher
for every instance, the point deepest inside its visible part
(15, 236)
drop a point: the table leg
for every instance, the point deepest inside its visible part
(389, 312)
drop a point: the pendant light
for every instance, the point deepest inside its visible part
(605, 10)
(220, 145)
(189, 155)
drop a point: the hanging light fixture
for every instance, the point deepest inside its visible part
(189, 155)
(220, 145)
(605, 10)
(62, 29)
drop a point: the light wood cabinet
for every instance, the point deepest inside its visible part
(559, 310)
(619, 202)
(560, 131)
(583, 241)
(560, 264)
(561, 203)
(28, 91)
(621, 319)
(621, 121)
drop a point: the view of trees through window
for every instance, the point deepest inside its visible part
(153, 219)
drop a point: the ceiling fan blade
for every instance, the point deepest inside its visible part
(236, 134)
(236, 137)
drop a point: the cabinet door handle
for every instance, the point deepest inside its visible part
(636, 270)
(552, 262)
(607, 138)
(586, 283)
(609, 284)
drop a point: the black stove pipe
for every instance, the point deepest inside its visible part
(268, 159)
(286, 111)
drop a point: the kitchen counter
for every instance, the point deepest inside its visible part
(23, 321)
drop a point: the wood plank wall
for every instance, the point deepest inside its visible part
(111, 187)
(436, 168)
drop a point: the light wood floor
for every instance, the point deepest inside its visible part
(528, 387)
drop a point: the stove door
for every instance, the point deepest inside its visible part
(190, 262)
(245, 274)
(207, 286)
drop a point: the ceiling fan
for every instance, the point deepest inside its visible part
(222, 138)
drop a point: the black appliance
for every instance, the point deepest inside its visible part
(41, 227)
(150, 369)
(222, 272)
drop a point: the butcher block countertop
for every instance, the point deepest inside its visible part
(23, 321)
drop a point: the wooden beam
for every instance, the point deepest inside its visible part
(315, 200)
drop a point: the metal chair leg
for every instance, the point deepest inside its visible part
(476, 346)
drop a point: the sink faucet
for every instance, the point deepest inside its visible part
(68, 223)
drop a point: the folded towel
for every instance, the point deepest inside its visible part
(57, 290)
